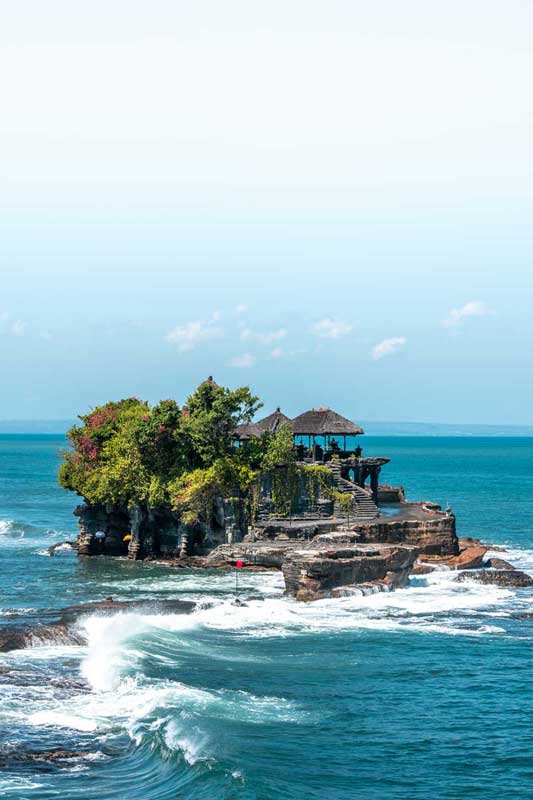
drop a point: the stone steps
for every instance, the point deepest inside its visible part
(364, 505)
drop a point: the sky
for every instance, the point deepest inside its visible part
(329, 202)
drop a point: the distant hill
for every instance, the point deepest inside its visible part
(56, 426)
(61, 426)
(443, 429)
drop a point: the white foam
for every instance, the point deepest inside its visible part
(16, 783)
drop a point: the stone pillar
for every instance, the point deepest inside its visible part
(135, 545)
(374, 483)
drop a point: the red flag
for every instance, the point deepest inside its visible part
(239, 564)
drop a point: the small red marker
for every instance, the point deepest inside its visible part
(238, 565)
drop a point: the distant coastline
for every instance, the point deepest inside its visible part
(372, 428)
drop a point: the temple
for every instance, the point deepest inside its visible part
(322, 436)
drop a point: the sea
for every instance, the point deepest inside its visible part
(420, 694)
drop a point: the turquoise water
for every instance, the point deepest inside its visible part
(422, 693)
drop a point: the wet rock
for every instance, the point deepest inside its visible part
(55, 756)
(498, 563)
(313, 572)
(508, 578)
(471, 558)
(52, 549)
(422, 569)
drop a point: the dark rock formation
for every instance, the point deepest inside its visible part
(507, 578)
(315, 571)
(52, 549)
(139, 533)
(497, 563)
(41, 758)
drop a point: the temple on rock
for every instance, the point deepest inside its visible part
(203, 485)
(322, 436)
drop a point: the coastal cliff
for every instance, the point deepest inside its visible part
(140, 533)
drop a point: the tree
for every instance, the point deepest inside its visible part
(211, 415)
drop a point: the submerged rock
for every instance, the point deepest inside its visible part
(42, 758)
(512, 578)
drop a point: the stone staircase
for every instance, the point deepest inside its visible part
(363, 503)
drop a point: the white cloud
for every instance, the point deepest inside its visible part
(191, 334)
(474, 308)
(328, 328)
(387, 347)
(247, 334)
(18, 328)
(242, 362)
(277, 352)
(12, 327)
(241, 308)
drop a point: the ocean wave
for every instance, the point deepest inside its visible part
(14, 784)
(14, 532)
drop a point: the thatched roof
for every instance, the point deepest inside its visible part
(268, 424)
(273, 421)
(324, 422)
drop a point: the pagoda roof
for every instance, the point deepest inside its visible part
(268, 424)
(324, 422)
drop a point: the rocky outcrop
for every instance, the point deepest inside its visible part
(506, 578)
(497, 563)
(471, 558)
(140, 532)
(433, 534)
(266, 555)
(316, 571)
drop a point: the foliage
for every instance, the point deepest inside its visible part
(279, 461)
(279, 448)
(210, 416)
(128, 454)
(318, 481)
(193, 493)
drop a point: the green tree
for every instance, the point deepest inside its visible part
(211, 415)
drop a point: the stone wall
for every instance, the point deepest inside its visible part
(390, 494)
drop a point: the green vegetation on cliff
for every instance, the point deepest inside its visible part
(128, 454)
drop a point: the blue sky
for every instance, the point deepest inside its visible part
(330, 204)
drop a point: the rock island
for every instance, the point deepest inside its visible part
(203, 485)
